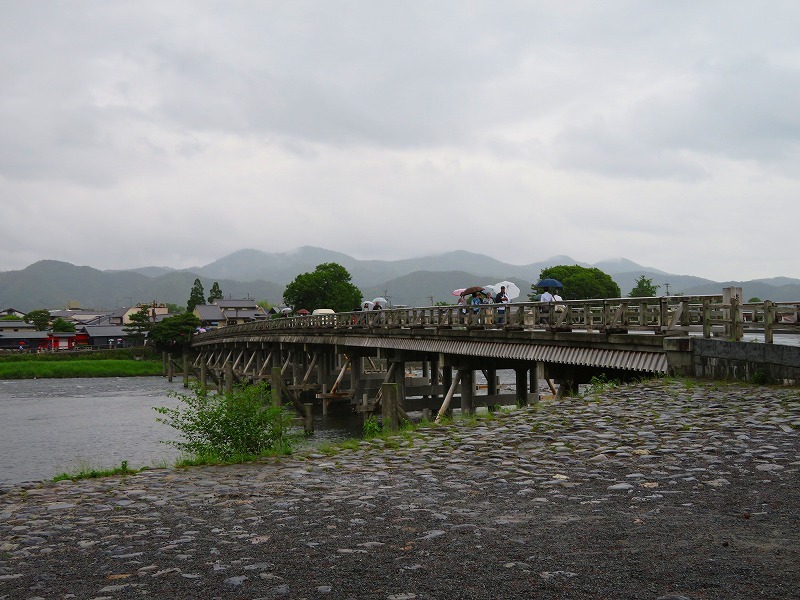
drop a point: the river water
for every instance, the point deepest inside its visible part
(53, 426)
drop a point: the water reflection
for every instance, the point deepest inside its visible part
(52, 426)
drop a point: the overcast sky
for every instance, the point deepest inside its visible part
(170, 133)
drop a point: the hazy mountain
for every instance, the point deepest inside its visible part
(148, 271)
(54, 284)
(263, 276)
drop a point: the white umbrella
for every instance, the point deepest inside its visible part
(367, 305)
(512, 290)
(380, 299)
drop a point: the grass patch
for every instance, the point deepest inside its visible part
(78, 368)
(90, 473)
(122, 362)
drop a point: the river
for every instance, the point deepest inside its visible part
(53, 426)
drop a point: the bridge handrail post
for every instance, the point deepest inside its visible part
(663, 313)
(587, 317)
(706, 318)
(769, 321)
(736, 329)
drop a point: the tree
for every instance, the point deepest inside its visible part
(141, 322)
(197, 296)
(644, 288)
(174, 309)
(215, 294)
(327, 287)
(174, 333)
(40, 319)
(62, 326)
(580, 283)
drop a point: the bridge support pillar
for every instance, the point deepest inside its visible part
(356, 370)
(228, 376)
(491, 381)
(389, 404)
(203, 374)
(434, 376)
(522, 386)
(400, 380)
(276, 381)
(467, 391)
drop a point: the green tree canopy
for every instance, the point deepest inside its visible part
(174, 333)
(62, 326)
(327, 287)
(174, 309)
(644, 288)
(141, 322)
(215, 294)
(580, 283)
(197, 296)
(40, 319)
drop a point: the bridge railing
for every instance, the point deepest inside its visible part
(707, 314)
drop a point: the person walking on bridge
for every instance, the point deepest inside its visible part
(501, 298)
(549, 298)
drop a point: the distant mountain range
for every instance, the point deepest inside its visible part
(263, 276)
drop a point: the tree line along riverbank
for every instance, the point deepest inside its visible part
(123, 362)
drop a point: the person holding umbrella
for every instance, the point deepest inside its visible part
(501, 298)
(551, 285)
(476, 302)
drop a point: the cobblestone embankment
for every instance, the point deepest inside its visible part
(669, 489)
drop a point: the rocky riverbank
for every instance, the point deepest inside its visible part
(667, 489)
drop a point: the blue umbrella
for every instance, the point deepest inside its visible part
(548, 283)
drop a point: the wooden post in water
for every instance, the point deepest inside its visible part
(228, 376)
(185, 358)
(203, 375)
(491, 381)
(276, 381)
(308, 417)
(169, 367)
(533, 397)
(522, 386)
(467, 391)
(389, 406)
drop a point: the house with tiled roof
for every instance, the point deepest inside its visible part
(229, 311)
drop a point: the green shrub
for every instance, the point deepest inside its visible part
(232, 426)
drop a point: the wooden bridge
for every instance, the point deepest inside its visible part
(343, 359)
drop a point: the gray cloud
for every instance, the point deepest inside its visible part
(196, 115)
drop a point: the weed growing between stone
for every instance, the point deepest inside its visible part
(90, 473)
(233, 426)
